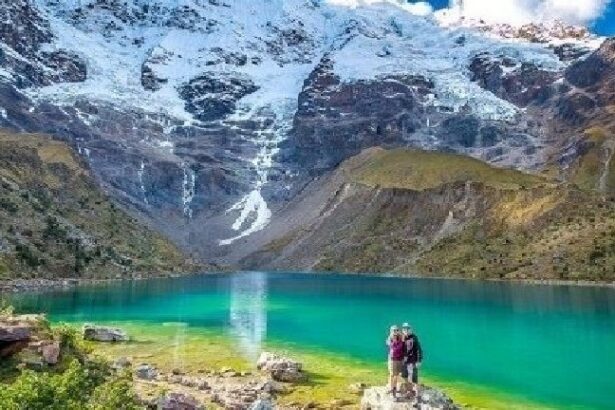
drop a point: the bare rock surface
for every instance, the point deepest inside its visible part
(104, 334)
(280, 368)
(178, 401)
(377, 398)
(146, 372)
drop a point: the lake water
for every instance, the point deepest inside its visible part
(552, 345)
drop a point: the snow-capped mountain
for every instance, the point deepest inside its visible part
(205, 116)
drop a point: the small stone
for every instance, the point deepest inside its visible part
(146, 372)
(177, 371)
(121, 363)
(357, 388)
(262, 404)
(178, 401)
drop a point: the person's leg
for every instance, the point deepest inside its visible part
(391, 376)
(410, 377)
(415, 379)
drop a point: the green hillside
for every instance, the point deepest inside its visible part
(421, 170)
(55, 221)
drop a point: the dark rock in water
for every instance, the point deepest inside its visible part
(104, 334)
(212, 95)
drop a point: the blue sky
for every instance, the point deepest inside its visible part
(604, 26)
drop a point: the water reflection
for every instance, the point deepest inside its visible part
(248, 311)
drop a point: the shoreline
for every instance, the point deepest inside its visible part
(12, 286)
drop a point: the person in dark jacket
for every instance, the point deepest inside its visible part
(413, 357)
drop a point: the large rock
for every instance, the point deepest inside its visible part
(280, 368)
(15, 333)
(50, 350)
(178, 401)
(104, 334)
(377, 398)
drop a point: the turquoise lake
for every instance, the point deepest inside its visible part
(548, 344)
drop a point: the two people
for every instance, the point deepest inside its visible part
(405, 357)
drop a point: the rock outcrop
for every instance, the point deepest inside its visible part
(377, 398)
(104, 333)
(280, 368)
(15, 334)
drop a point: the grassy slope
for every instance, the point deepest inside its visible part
(531, 228)
(587, 171)
(421, 170)
(55, 222)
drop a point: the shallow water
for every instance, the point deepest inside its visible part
(551, 345)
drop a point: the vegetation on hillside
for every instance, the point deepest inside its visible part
(505, 224)
(421, 170)
(595, 168)
(56, 222)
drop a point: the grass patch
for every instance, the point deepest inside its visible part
(422, 170)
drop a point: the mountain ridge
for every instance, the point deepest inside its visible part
(207, 119)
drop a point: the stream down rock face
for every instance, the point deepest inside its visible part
(377, 398)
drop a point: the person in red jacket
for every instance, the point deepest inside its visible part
(413, 356)
(395, 344)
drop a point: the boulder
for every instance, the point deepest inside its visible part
(104, 334)
(377, 398)
(15, 332)
(178, 401)
(146, 372)
(50, 351)
(280, 368)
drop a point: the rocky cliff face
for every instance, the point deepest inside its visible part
(207, 118)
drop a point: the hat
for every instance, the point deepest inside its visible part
(406, 326)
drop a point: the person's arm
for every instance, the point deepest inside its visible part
(419, 351)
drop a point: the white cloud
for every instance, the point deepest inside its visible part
(525, 11)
